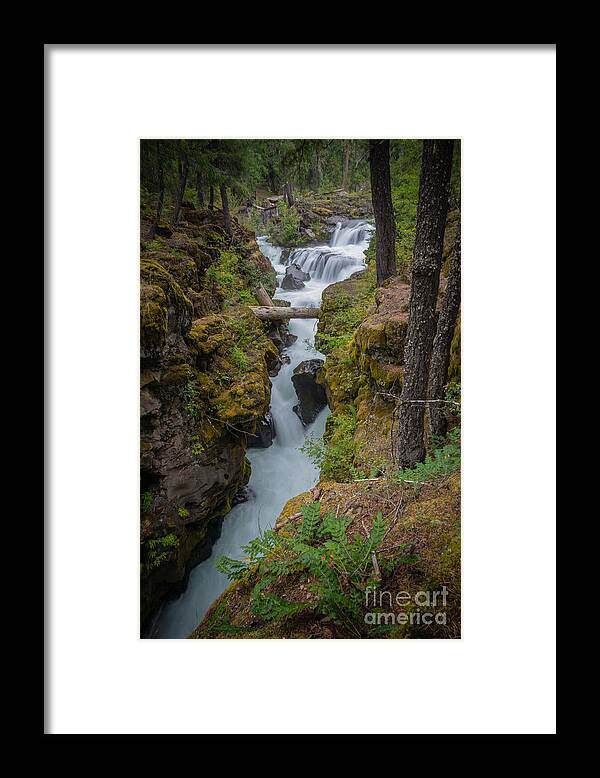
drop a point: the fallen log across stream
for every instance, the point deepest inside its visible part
(276, 313)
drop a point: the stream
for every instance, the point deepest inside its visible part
(282, 470)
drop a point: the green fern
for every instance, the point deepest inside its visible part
(311, 517)
(337, 568)
(443, 461)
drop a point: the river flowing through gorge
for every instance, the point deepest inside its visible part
(282, 470)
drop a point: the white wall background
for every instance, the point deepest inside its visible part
(499, 678)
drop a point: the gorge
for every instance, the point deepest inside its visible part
(274, 484)
(282, 470)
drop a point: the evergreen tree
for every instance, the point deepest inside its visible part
(440, 358)
(381, 193)
(432, 209)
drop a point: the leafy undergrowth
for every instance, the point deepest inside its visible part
(371, 559)
(441, 461)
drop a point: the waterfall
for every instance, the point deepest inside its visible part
(351, 233)
(282, 470)
(343, 255)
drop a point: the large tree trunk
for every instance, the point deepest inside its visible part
(346, 164)
(211, 197)
(183, 173)
(199, 190)
(432, 210)
(440, 358)
(381, 194)
(226, 214)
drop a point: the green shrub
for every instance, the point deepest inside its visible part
(442, 461)
(285, 229)
(243, 331)
(190, 396)
(197, 448)
(146, 502)
(232, 277)
(452, 397)
(222, 273)
(239, 358)
(156, 551)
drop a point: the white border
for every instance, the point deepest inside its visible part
(500, 677)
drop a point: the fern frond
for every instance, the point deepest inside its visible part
(311, 518)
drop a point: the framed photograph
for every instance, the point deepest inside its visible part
(301, 318)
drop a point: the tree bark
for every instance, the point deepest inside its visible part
(432, 210)
(381, 194)
(346, 164)
(317, 170)
(183, 173)
(262, 297)
(280, 313)
(272, 178)
(199, 190)
(289, 194)
(211, 197)
(226, 214)
(440, 358)
(161, 190)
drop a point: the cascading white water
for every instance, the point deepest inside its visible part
(282, 470)
(343, 256)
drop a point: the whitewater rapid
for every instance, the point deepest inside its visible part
(282, 470)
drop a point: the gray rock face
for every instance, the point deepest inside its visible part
(294, 277)
(311, 395)
(265, 432)
(243, 495)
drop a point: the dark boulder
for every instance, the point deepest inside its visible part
(243, 495)
(283, 360)
(281, 336)
(311, 395)
(294, 277)
(265, 432)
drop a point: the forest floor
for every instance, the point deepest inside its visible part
(427, 522)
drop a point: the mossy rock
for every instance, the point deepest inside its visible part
(177, 373)
(207, 335)
(375, 419)
(344, 306)
(385, 374)
(153, 317)
(246, 402)
(341, 377)
(181, 267)
(164, 308)
(378, 343)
